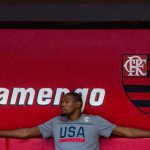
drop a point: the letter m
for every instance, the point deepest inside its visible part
(22, 96)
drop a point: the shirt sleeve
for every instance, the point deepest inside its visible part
(104, 127)
(46, 128)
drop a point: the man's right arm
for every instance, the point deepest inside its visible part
(23, 133)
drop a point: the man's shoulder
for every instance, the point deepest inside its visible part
(54, 119)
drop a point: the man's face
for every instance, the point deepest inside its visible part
(68, 105)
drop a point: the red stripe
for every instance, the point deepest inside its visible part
(145, 109)
(62, 140)
(7, 143)
(139, 96)
(136, 81)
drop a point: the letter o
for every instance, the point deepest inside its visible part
(97, 97)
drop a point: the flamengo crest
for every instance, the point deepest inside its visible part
(136, 80)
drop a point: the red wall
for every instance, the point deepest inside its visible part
(72, 59)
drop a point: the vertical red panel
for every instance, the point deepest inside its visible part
(125, 144)
(31, 144)
(3, 144)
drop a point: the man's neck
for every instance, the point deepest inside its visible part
(74, 117)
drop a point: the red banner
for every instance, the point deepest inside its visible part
(110, 68)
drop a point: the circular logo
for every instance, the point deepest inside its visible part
(86, 119)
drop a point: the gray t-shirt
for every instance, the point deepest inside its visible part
(82, 134)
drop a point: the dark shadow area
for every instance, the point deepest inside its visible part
(71, 1)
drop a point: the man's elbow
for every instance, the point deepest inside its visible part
(128, 134)
(26, 133)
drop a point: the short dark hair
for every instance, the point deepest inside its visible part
(77, 97)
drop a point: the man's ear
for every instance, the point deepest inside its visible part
(78, 104)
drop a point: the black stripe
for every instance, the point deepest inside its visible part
(74, 25)
(148, 58)
(141, 103)
(137, 88)
(148, 73)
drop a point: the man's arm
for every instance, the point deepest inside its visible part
(130, 132)
(23, 133)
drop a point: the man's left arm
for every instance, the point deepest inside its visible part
(130, 132)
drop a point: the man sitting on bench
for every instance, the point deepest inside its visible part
(74, 130)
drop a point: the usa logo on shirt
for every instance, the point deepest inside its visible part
(136, 80)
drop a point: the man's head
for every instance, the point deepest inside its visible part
(71, 103)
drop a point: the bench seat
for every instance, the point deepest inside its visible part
(106, 144)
